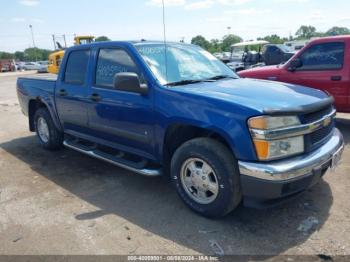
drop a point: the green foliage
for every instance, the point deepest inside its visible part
(102, 39)
(229, 40)
(274, 39)
(338, 31)
(5, 55)
(215, 45)
(306, 32)
(201, 41)
(35, 54)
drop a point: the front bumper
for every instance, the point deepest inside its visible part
(280, 180)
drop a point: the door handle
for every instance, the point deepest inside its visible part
(95, 97)
(63, 92)
(336, 78)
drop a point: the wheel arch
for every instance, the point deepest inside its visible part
(33, 105)
(178, 133)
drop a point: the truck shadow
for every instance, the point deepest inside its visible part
(344, 126)
(152, 204)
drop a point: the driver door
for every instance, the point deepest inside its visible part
(323, 68)
(122, 118)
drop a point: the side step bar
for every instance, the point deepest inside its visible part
(94, 152)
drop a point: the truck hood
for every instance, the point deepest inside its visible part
(258, 71)
(264, 96)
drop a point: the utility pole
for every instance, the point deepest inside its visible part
(229, 30)
(31, 30)
(54, 42)
(65, 43)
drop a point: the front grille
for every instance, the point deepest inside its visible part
(312, 117)
(321, 136)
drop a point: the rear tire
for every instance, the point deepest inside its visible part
(205, 174)
(49, 136)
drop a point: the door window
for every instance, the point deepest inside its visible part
(76, 67)
(326, 56)
(111, 62)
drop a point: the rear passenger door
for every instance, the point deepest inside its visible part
(71, 92)
(123, 119)
(323, 67)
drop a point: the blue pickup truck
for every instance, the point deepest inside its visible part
(175, 110)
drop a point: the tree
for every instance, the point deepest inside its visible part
(36, 54)
(306, 32)
(274, 39)
(338, 31)
(102, 39)
(5, 55)
(215, 46)
(201, 41)
(19, 56)
(229, 40)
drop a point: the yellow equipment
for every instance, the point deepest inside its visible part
(56, 57)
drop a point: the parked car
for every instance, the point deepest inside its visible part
(276, 54)
(194, 120)
(323, 64)
(7, 65)
(297, 45)
(20, 66)
(244, 55)
(31, 66)
(43, 67)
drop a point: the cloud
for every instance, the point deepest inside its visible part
(200, 5)
(193, 5)
(250, 11)
(317, 15)
(166, 2)
(233, 2)
(291, 1)
(18, 20)
(37, 20)
(344, 19)
(22, 20)
(29, 2)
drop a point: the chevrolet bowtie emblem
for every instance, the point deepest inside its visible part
(327, 121)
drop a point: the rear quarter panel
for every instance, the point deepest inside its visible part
(34, 89)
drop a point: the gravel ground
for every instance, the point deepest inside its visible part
(66, 203)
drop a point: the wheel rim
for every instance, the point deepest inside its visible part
(199, 181)
(43, 130)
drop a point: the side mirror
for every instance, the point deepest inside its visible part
(129, 82)
(294, 64)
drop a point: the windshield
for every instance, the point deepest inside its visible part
(184, 63)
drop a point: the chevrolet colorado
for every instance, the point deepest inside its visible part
(174, 109)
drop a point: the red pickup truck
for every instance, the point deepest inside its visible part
(323, 64)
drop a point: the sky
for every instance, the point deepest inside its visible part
(142, 19)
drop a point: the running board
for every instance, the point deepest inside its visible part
(118, 161)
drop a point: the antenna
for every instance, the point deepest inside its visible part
(165, 45)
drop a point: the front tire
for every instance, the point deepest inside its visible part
(206, 177)
(49, 136)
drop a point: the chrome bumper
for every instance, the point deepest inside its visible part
(297, 166)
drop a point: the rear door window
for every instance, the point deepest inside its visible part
(76, 68)
(326, 56)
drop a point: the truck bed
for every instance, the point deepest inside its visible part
(46, 77)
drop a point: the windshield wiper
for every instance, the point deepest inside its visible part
(184, 82)
(218, 77)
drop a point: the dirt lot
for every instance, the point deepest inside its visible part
(67, 203)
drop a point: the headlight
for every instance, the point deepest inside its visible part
(275, 149)
(272, 122)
